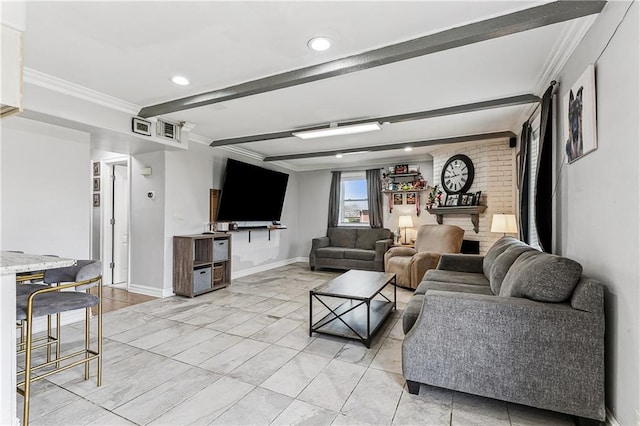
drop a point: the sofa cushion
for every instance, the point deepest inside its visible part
(358, 254)
(411, 312)
(446, 276)
(342, 237)
(366, 238)
(541, 276)
(502, 264)
(496, 250)
(331, 252)
(462, 288)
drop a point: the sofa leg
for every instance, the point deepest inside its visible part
(414, 387)
(313, 268)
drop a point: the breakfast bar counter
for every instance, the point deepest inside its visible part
(12, 263)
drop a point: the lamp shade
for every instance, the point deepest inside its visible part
(505, 223)
(405, 222)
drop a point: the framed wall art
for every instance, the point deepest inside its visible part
(397, 199)
(96, 200)
(401, 169)
(411, 198)
(96, 184)
(96, 168)
(452, 200)
(579, 111)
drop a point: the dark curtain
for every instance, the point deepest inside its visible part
(543, 188)
(523, 181)
(334, 200)
(374, 196)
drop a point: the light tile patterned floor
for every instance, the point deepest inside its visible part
(242, 356)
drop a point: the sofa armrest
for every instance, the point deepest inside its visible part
(319, 242)
(381, 248)
(541, 354)
(461, 262)
(400, 251)
(421, 263)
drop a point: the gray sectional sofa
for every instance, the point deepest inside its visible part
(351, 248)
(517, 325)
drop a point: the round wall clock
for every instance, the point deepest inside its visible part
(457, 174)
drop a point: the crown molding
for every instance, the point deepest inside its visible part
(65, 87)
(567, 43)
(562, 50)
(193, 137)
(240, 151)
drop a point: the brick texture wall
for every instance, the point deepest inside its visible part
(495, 176)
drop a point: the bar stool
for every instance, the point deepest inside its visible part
(53, 300)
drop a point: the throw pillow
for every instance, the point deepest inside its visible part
(503, 263)
(496, 250)
(541, 276)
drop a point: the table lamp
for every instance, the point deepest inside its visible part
(405, 222)
(505, 223)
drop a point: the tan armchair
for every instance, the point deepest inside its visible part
(410, 264)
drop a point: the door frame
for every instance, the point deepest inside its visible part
(105, 216)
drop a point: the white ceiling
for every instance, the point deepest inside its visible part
(129, 50)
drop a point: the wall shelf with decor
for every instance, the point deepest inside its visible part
(404, 184)
(473, 211)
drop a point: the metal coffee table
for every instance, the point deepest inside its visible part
(360, 316)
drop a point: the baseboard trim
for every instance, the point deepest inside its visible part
(610, 420)
(150, 291)
(266, 267)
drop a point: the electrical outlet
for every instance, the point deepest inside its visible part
(177, 215)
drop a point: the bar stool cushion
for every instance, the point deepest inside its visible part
(66, 274)
(24, 290)
(54, 302)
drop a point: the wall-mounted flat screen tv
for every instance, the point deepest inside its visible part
(251, 193)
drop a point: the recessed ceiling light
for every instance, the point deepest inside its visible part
(319, 44)
(338, 155)
(180, 80)
(408, 148)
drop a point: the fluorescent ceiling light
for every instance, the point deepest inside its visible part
(342, 154)
(338, 130)
(180, 80)
(319, 44)
(408, 149)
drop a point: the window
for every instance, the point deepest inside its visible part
(533, 169)
(354, 204)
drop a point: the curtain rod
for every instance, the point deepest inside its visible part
(552, 84)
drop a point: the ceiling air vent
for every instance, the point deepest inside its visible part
(168, 130)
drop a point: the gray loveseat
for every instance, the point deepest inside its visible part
(516, 325)
(351, 248)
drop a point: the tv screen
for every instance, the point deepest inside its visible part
(251, 193)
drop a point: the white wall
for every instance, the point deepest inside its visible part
(188, 178)
(597, 214)
(147, 225)
(46, 189)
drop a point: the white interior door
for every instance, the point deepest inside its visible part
(120, 258)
